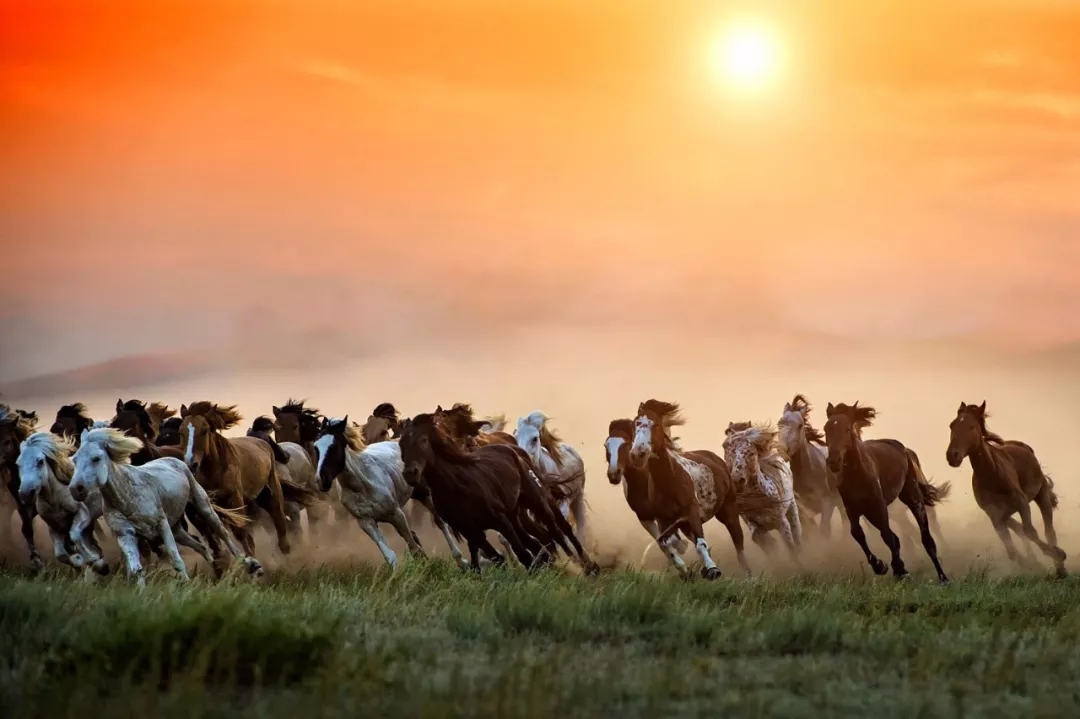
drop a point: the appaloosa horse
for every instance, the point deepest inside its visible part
(873, 474)
(1006, 478)
(671, 490)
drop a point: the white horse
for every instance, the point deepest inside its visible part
(373, 486)
(148, 502)
(561, 468)
(816, 487)
(762, 477)
(45, 469)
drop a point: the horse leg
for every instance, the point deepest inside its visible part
(372, 531)
(762, 538)
(728, 514)
(913, 501)
(26, 516)
(1045, 500)
(277, 509)
(581, 517)
(60, 550)
(292, 514)
(184, 539)
(666, 547)
(213, 530)
(82, 536)
(879, 517)
(169, 541)
(825, 520)
(506, 528)
(401, 523)
(1054, 553)
(790, 530)
(534, 538)
(317, 513)
(129, 545)
(935, 526)
(859, 536)
(455, 551)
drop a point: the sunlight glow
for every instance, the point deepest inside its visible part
(746, 56)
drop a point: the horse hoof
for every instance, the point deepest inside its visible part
(902, 576)
(1060, 554)
(283, 547)
(1061, 572)
(36, 565)
(711, 572)
(878, 566)
(592, 569)
(101, 567)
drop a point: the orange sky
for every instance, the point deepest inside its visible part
(336, 166)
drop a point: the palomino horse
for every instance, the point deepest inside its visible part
(492, 488)
(815, 486)
(763, 484)
(45, 469)
(235, 470)
(133, 418)
(1006, 478)
(71, 420)
(373, 486)
(562, 471)
(14, 430)
(148, 502)
(873, 474)
(298, 426)
(383, 424)
(677, 490)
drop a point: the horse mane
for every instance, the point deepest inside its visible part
(621, 428)
(77, 412)
(860, 417)
(736, 427)
(119, 446)
(761, 436)
(172, 424)
(28, 415)
(979, 414)
(802, 405)
(443, 445)
(494, 423)
(54, 447)
(161, 409)
(218, 417)
(22, 426)
(146, 422)
(263, 424)
(669, 413)
(387, 411)
(297, 407)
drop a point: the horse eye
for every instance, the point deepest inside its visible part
(41, 461)
(96, 459)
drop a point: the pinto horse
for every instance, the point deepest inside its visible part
(873, 474)
(671, 490)
(234, 470)
(1006, 478)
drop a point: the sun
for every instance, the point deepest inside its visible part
(747, 56)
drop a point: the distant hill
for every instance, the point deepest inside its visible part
(122, 373)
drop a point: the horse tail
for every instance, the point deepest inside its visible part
(235, 518)
(932, 494)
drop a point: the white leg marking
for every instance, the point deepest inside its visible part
(666, 546)
(703, 551)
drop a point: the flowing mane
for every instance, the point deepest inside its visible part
(119, 446)
(801, 405)
(494, 423)
(219, 418)
(263, 424)
(979, 414)
(55, 448)
(444, 446)
(297, 407)
(668, 414)
(160, 410)
(353, 439)
(387, 411)
(763, 438)
(861, 417)
(22, 427)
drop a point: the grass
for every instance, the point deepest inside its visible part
(430, 641)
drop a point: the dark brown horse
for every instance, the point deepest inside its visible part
(133, 418)
(493, 488)
(71, 421)
(157, 412)
(1006, 478)
(14, 429)
(872, 474)
(463, 427)
(169, 434)
(673, 490)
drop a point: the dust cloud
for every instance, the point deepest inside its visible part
(584, 378)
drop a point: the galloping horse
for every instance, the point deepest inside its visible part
(1006, 478)
(234, 470)
(562, 471)
(383, 424)
(763, 484)
(815, 485)
(460, 424)
(676, 490)
(15, 428)
(134, 419)
(169, 435)
(71, 420)
(873, 474)
(296, 428)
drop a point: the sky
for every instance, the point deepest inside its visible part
(280, 176)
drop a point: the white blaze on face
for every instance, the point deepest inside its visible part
(613, 445)
(189, 452)
(322, 446)
(642, 436)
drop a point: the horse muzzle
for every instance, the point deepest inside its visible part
(79, 492)
(954, 458)
(834, 465)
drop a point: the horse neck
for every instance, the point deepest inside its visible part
(118, 492)
(983, 461)
(57, 494)
(219, 451)
(801, 459)
(639, 483)
(661, 465)
(860, 468)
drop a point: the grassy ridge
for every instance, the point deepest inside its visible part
(431, 641)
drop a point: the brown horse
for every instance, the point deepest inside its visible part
(134, 419)
(14, 429)
(671, 490)
(157, 412)
(169, 434)
(71, 421)
(1006, 478)
(235, 470)
(492, 488)
(873, 473)
(463, 427)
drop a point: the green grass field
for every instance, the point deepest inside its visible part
(431, 641)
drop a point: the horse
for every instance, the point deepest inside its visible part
(815, 486)
(71, 420)
(678, 490)
(169, 434)
(300, 426)
(294, 466)
(148, 502)
(466, 430)
(134, 419)
(764, 485)
(562, 470)
(873, 474)
(491, 488)
(15, 428)
(236, 470)
(373, 486)
(383, 424)
(1006, 478)
(45, 469)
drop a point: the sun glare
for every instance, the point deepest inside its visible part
(746, 56)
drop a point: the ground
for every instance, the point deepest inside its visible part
(431, 641)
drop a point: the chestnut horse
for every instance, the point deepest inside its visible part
(234, 470)
(71, 420)
(1006, 477)
(873, 474)
(15, 428)
(672, 490)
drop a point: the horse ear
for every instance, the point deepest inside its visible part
(982, 407)
(829, 410)
(119, 405)
(84, 435)
(439, 409)
(183, 411)
(345, 420)
(730, 425)
(474, 428)
(962, 406)
(277, 411)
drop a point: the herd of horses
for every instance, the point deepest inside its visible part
(161, 479)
